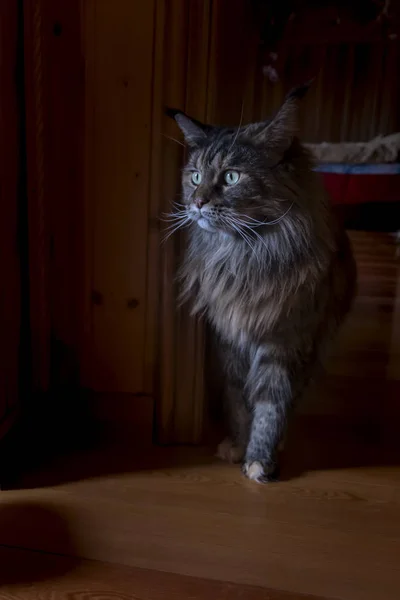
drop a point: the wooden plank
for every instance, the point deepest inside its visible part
(88, 43)
(27, 576)
(54, 87)
(121, 77)
(189, 403)
(354, 95)
(233, 50)
(10, 191)
(154, 325)
(174, 75)
(38, 213)
(64, 90)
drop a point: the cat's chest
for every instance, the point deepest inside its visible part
(220, 286)
(238, 308)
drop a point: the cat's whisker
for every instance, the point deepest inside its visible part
(175, 213)
(244, 237)
(265, 205)
(251, 219)
(240, 225)
(242, 234)
(238, 129)
(179, 213)
(281, 217)
(256, 234)
(173, 139)
(182, 225)
(259, 223)
(175, 221)
(172, 217)
(249, 243)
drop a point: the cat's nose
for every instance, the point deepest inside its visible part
(199, 202)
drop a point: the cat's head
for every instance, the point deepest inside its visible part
(240, 177)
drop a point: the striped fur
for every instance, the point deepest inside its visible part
(267, 265)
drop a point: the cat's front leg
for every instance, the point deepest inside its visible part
(270, 390)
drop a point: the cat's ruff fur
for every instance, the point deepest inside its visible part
(268, 267)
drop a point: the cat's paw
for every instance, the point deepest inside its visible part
(260, 471)
(229, 452)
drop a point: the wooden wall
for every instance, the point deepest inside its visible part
(119, 67)
(54, 93)
(356, 92)
(103, 165)
(89, 69)
(10, 188)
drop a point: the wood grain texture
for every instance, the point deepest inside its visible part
(97, 266)
(354, 96)
(232, 59)
(189, 406)
(185, 32)
(58, 578)
(10, 173)
(38, 199)
(173, 37)
(54, 104)
(64, 98)
(154, 250)
(119, 56)
(329, 528)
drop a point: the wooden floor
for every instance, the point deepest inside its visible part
(115, 522)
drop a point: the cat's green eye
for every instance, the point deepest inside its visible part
(231, 177)
(196, 178)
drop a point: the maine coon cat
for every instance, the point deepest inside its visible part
(267, 265)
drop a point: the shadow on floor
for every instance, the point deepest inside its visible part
(319, 442)
(29, 525)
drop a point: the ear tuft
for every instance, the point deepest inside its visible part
(297, 93)
(172, 112)
(277, 135)
(193, 131)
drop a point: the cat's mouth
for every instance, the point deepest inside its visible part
(206, 224)
(203, 219)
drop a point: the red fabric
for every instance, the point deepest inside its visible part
(361, 189)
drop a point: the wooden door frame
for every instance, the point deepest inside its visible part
(12, 345)
(54, 101)
(39, 236)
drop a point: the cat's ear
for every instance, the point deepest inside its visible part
(277, 135)
(193, 131)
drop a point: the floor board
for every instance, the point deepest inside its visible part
(51, 577)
